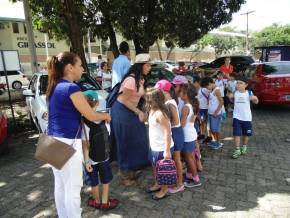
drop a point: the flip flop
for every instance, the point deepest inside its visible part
(154, 197)
(149, 191)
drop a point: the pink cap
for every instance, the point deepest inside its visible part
(163, 85)
(179, 80)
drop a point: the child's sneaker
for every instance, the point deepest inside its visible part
(217, 146)
(211, 144)
(192, 183)
(244, 149)
(237, 152)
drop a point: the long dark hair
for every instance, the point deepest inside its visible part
(155, 100)
(137, 71)
(55, 67)
(191, 93)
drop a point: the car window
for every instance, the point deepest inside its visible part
(43, 81)
(9, 73)
(250, 71)
(276, 68)
(218, 62)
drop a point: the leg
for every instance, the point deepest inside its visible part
(190, 162)
(237, 142)
(105, 193)
(155, 186)
(245, 140)
(177, 159)
(59, 194)
(96, 194)
(163, 191)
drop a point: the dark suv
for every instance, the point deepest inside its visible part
(240, 63)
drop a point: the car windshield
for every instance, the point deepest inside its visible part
(276, 68)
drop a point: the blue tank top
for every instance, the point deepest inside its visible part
(63, 117)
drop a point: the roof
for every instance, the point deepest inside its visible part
(11, 19)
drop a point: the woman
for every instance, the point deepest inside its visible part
(128, 127)
(66, 103)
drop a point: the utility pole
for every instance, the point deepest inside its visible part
(247, 38)
(89, 47)
(30, 36)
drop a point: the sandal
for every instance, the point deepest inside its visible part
(112, 203)
(149, 191)
(154, 197)
(92, 203)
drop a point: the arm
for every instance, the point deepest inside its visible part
(254, 99)
(174, 114)
(84, 108)
(86, 148)
(165, 125)
(221, 102)
(184, 114)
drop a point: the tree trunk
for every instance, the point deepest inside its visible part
(113, 40)
(159, 51)
(138, 47)
(75, 36)
(169, 53)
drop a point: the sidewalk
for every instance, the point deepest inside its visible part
(255, 185)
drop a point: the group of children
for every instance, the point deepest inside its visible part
(180, 115)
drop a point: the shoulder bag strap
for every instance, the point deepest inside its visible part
(86, 135)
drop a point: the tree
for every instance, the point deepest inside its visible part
(272, 36)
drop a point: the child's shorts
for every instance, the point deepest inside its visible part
(203, 115)
(242, 128)
(178, 138)
(214, 123)
(102, 170)
(155, 156)
(189, 147)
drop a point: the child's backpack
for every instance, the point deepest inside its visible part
(99, 141)
(166, 172)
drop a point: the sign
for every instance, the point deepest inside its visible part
(37, 45)
(274, 55)
(11, 60)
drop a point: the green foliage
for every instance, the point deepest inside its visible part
(272, 36)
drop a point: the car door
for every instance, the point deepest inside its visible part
(30, 101)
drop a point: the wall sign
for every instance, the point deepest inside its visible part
(37, 45)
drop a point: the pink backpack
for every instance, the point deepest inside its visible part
(166, 172)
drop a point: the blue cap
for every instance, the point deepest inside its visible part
(91, 94)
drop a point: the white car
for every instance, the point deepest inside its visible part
(16, 79)
(36, 98)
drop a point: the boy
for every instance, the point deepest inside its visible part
(242, 117)
(214, 111)
(96, 170)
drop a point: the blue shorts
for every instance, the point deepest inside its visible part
(214, 123)
(242, 128)
(188, 147)
(155, 156)
(178, 138)
(203, 115)
(102, 170)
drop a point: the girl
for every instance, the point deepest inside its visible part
(178, 82)
(161, 144)
(188, 116)
(177, 132)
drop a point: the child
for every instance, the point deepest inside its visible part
(219, 82)
(177, 132)
(161, 144)
(178, 82)
(242, 117)
(188, 116)
(231, 88)
(214, 111)
(96, 170)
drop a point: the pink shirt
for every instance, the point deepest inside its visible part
(130, 83)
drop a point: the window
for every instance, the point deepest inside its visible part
(24, 28)
(32, 82)
(43, 84)
(276, 68)
(15, 27)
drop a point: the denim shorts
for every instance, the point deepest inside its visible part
(203, 115)
(155, 156)
(102, 170)
(178, 138)
(214, 123)
(242, 128)
(189, 147)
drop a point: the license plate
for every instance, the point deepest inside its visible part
(287, 97)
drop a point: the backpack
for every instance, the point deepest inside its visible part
(166, 172)
(113, 95)
(99, 140)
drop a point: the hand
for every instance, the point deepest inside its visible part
(89, 167)
(254, 99)
(107, 117)
(167, 155)
(215, 113)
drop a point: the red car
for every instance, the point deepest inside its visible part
(3, 132)
(270, 82)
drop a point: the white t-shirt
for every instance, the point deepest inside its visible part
(242, 107)
(87, 129)
(221, 85)
(189, 131)
(156, 134)
(104, 76)
(173, 102)
(203, 98)
(231, 85)
(213, 102)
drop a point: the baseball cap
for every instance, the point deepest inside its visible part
(163, 85)
(179, 80)
(91, 94)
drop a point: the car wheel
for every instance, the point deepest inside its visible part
(16, 85)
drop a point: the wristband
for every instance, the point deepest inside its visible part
(87, 161)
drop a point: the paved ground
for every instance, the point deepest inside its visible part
(257, 185)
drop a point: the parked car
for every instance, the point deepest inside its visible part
(36, 98)
(3, 133)
(164, 65)
(16, 79)
(270, 81)
(240, 64)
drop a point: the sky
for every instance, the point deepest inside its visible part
(266, 13)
